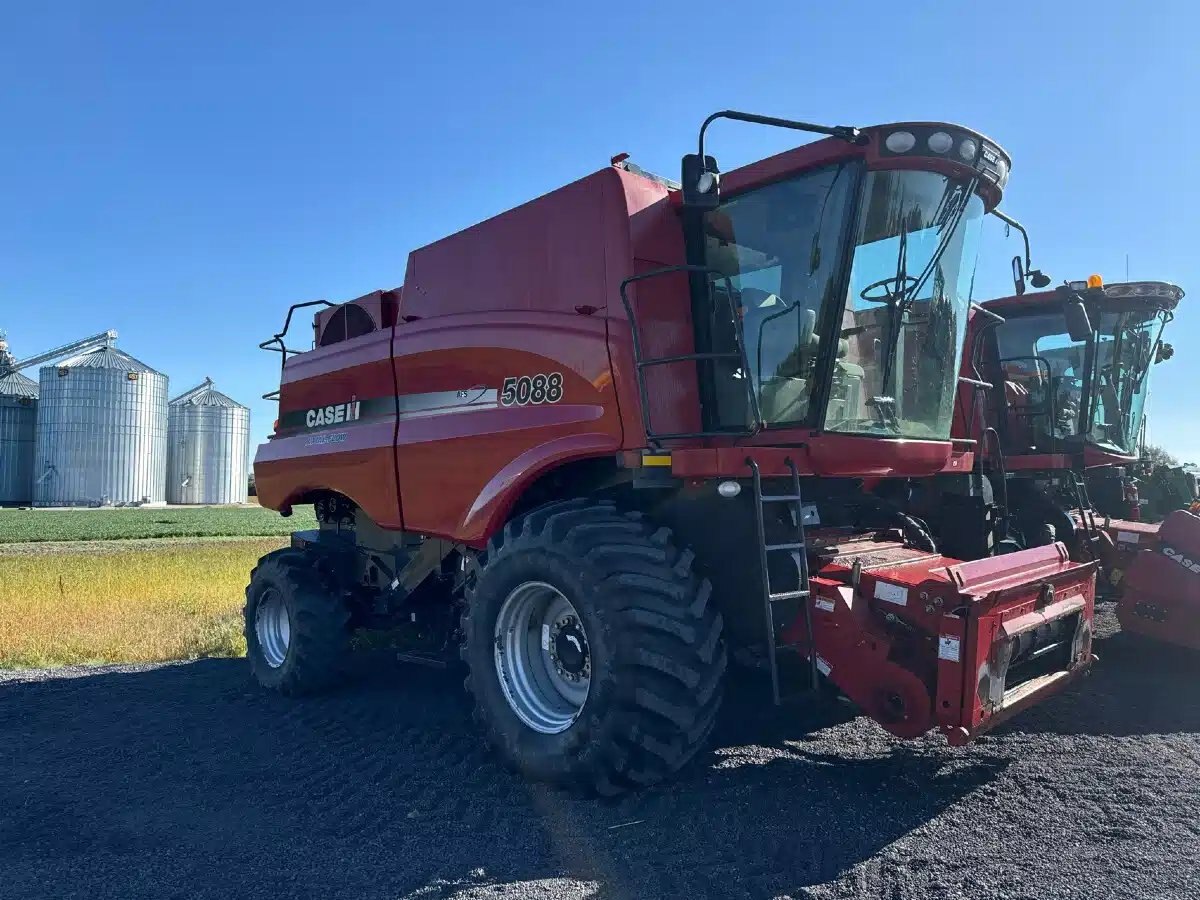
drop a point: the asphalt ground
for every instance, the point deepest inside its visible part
(186, 780)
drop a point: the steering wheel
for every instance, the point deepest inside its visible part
(907, 284)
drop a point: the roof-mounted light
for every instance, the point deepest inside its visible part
(900, 141)
(1095, 281)
(1001, 172)
(706, 182)
(1161, 289)
(948, 142)
(940, 142)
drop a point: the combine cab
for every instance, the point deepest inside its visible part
(603, 442)
(1064, 375)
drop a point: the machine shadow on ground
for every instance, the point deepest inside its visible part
(1135, 689)
(141, 780)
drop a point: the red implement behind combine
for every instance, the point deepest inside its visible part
(1155, 572)
(596, 445)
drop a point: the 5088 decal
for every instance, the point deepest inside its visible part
(522, 390)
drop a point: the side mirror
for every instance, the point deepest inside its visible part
(1018, 269)
(1165, 351)
(1038, 278)
(1079, 325)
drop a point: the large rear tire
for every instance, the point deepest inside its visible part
(296, 627)
(595, 653)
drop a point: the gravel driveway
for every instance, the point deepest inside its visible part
(185, 780)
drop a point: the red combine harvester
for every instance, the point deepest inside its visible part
(603, 441)
(1065, 377)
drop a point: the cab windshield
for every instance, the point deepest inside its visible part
(779, 249)
(1045, 375)
(1125, 350)
(896, 338)
(905, 319)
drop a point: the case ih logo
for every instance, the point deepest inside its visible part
(1190, 564)
(333, 415)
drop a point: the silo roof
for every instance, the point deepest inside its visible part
(206, 396)
(105, 358)
(14, 384)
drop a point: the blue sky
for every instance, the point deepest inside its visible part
(183, 172)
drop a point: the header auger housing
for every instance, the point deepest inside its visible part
(634, 430)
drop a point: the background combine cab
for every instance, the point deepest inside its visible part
(1059, 388)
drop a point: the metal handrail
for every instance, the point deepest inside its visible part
(275, 343)
(641, 363)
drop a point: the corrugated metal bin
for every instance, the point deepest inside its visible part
(208, 447)
(18, 420)
(101, 432)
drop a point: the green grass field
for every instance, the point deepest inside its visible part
(23, 526)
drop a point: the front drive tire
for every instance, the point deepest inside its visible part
(606, 601)
(296, 627)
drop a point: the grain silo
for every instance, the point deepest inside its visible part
(101, 432)
(208, 446)
(18, 416)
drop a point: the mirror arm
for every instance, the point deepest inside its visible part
(1010, 221)
(845, 132)
(1035, 276)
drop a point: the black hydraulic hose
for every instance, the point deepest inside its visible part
(917, 533)
(1002, 470)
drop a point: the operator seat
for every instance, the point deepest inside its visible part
(782, 375)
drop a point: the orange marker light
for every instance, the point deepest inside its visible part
(1095, 281)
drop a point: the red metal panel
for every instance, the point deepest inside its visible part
(549, 254)
(359, 368)
(822, 454)
(924, 640)
(654, 241)
(360, 467)
(1037, 462)
(461, 471)
(1161, 589)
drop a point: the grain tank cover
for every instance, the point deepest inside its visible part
(206, 396)
(14, 384)
(105, 358)
(208, 447)
(101, 432)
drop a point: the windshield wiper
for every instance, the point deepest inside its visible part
(948, 216)
(884, 405)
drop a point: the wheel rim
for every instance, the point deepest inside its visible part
(273, 628)
(543, 659)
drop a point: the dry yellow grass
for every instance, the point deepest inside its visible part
(100, 603)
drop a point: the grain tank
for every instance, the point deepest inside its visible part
(208, 441)
(101, 432)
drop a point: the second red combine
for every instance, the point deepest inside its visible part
(601, 443)
(1066, 375)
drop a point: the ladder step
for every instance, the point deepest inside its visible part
(788, 595)
(781, 498)
(772, 547)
